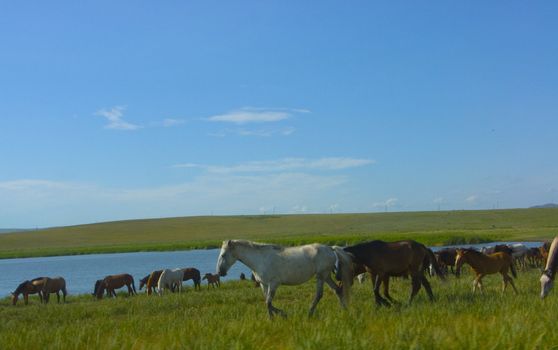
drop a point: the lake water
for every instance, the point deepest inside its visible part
(81, 271)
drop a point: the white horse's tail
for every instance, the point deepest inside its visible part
(344, 266)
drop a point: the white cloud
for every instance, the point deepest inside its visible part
(286, 164)
(266, 132)
(389, 203)
(114, 117)
(169, 122)
(247, 116)
(472, 199)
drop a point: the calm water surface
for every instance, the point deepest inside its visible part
(81, 271)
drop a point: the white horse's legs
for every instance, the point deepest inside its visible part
(338, 291)
(318, 296)
(272, 287)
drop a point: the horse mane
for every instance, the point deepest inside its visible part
(257, 245)
(20, 287)
(473, 251)
(552, 260)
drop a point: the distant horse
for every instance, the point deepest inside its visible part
(212, 280)
(169, 279)
(194, 275)
(54, 285)
(152, 281)
(274, 265)
(112, 282)
(35, 286)
(403, 258)
(547, 278)
(484, 265)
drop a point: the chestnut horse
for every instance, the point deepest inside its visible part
(484, 265)
(54, 285)
(403, 258)
(194, 275)
(112, 282)
(212, 280)
(35, 286)
(152, 281)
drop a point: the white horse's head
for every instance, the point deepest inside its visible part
(226, 258)
(546, 284)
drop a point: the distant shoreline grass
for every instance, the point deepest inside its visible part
(172, 234)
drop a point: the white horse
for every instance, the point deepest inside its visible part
(170, 278)
(274, 265)
(547, 278)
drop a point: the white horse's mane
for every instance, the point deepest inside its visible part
(256, 245)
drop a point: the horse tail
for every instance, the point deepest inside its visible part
(134, 286)
(434, 263)
(345, 272)
(512, 268)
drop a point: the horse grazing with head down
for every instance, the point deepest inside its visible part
(112, 282)
(484, 264)
(547, 277)
(403, 258)
(170, 279)
(34, 286)
(54, 285)
(274, 265)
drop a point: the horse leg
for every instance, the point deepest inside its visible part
(337, 289)
(379, 300)
(426, 285)
(269, 298)
(318, 296)
(26, 298)
(386, 290)
(64, 292)
(415, 287)
(58, 297)
(508, 279)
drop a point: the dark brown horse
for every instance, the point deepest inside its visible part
(403, 258)
(484, 265)
(54, 285)
(446, 258)
(34, 286)
(112, 282)
(194, 275)
(212, 280)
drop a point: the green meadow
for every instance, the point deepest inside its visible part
(234, 317)
(432, 228)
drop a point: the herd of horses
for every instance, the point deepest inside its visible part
(274, 265)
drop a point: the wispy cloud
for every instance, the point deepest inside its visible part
(114, 118)
(472, 199)
(170, 122)
(266, 132)
(286, 164)
(246, 116)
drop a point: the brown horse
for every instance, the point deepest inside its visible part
(35, 286)
(212, 280)
(403, 258)
(446, 258)
(484, 265)
(112, 282)
(194, 275)
(152, 281)
(54, 285)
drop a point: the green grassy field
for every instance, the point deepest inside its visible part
(234, 317)
(432, 228)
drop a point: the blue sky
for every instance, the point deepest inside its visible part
(121, 110)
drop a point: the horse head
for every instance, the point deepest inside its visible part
(226, 258)
(546, 283)
(459, 260)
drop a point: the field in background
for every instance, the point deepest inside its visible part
(432, 228)
(234, 317)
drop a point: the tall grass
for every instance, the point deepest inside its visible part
(234, 317)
